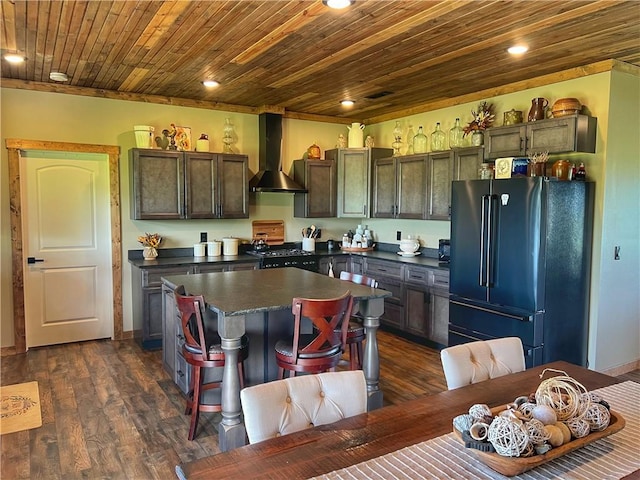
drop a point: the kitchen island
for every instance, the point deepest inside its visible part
(264, 297)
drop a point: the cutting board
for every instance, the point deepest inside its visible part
(274, 229)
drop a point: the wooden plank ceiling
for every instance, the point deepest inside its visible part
(391, 57)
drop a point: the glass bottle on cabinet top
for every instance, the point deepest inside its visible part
(420, 142)
(456, 139)
(397, 139)
(410, 136)
(228, 136)
(437, 139)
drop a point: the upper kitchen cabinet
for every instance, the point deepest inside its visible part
(168, 185)
(467, 162)
(354, 178)
(574, 133)
(439, 185)
(320, 179)
(400, 187)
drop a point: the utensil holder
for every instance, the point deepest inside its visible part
(309, 244)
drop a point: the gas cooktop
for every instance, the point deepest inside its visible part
(283, 252)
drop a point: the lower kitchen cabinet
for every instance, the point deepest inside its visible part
(339, 264)
(419, 305)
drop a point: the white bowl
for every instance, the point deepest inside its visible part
(409, 246)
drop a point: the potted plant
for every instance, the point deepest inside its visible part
(482, 119)
(150, 242)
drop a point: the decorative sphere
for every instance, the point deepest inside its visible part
(545, 414)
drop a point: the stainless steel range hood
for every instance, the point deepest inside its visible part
(270, 177)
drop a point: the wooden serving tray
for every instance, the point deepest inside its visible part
(511, 466)
(357, 249)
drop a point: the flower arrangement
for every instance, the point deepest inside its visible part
(152, 240)
(482, 119)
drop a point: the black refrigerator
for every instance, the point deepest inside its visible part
(520, 265)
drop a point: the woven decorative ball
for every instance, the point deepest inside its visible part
(480, 412)
(529, 450)
(579, 427)
(508, 438)
(598, 417)
(537, 433)
(564, 395)
(527, 409)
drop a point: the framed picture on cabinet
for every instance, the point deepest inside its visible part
(183, 139)
(503, 167)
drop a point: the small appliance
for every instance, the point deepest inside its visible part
(443, 250)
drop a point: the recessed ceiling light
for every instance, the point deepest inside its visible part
(338, 4)
(14, 58)
(347, 103)
(517, 49)
(58, 77)
(210, 83)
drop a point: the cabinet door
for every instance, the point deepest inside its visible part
(557, 135)
(439, 313)
(156, 184)
(439, 192)
(467, 163)
(417, 310)
(233, 186)
(411, 177)
(201, 190)
(356, 264)
(234, 267)
(393, 306)
(353, 183)
(384, 188)
(152, 318)
(319, 178)
(506, 141)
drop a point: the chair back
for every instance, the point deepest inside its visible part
(478, 361)
(359, 279)
(330, 319)
(191, 308)
(286, 406)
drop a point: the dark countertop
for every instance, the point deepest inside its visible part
(184, 256)
(226, 292)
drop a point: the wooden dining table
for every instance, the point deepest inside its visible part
(327, 448)
(265, 297)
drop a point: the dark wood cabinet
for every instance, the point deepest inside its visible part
(354, 179)
(439, 185)
(574, 133)
(169, 185)
(400, 187)
(320, 179)
(338, 263)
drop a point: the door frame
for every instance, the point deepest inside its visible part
(14, 146)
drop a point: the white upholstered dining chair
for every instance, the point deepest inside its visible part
(478, 361)
(296, 403)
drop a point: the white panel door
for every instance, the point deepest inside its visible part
(66, 230)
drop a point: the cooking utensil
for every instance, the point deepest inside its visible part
(312, 234)
(304, 232)
(260, 242)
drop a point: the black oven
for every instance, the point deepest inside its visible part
(287, 257)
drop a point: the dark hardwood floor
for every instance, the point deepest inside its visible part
(110, 411)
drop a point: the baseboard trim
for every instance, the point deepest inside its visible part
(622, 369)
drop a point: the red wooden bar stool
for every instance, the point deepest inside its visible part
(321, 350)
(202, 349)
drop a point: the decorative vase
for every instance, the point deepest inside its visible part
(202, 144)
(228, 136)
(397, 139)
(420, 141)
(437, 139)
(149, 253)
(456, 135)
(477, 138)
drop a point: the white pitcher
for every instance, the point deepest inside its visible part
(356, 135)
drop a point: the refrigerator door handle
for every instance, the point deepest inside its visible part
(490, 230)
(485, 221)
(528, 318)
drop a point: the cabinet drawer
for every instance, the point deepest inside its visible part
(441, 279)
(374, 268)
(153, 277)
(394, 286)
(182, 373)
(418, 275)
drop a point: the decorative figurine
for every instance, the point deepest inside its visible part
(342, 142)
(368, 142)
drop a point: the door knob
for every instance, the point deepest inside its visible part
(34, 259)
